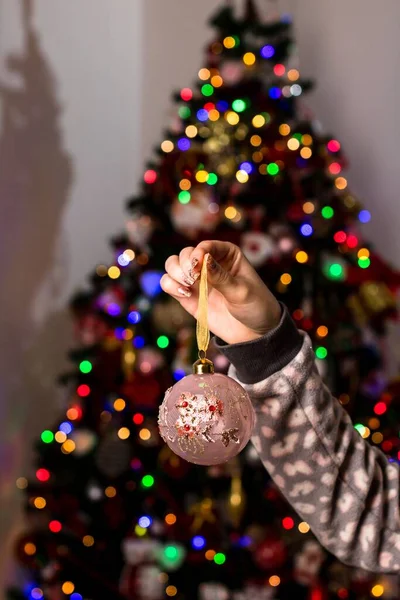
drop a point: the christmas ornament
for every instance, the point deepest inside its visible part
(270, 554)
(206, 418)
(257, 247)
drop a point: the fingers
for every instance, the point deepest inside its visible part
(225, 253)
(174, 288)
(175, 269)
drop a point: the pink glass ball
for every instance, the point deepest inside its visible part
(206, 419)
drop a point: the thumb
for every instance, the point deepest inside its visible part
(221, 279)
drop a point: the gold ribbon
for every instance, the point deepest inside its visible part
(202, 331)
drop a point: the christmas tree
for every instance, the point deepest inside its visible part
(111, 511)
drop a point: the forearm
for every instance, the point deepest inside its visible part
(345, 489)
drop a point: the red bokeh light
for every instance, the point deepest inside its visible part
(333, 146)
(335, 168)
(387, 446)
(340, 237)
(279, 70)
(343, 594)
(186, 94)
(83, 390)
(138, 418)
(55, 526)
(150, 176)
(43, 474)
(298, 315)
(380, 408)
(307, 324)
(209, 106)
(352, 241)
(287, 523)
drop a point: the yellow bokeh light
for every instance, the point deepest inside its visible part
(30, 549)
(322, 331)
(88, 541)
(21, 483)
(230, 212)
(306, 153)
(366, 433)
(341, 183)
(286, 279)
(167, 146)
(39, 502)
(308, 208)
(191, 131)
(284, 129)
(202, 176)
(363, 253)
(210, 554)
(302, 257)
(374, 423)
(123, 433)
(129, 357)
(232, 117)
(68, 587)
(304, 527)
(249, 59)
(204, 74)
(214, 115)
(185, 184)
(229, 42)
(114, 272)
(110, 491)
(170, 519)
(217, 81)
(377, 437)
(258, 156)
(140, 531)
(127, 334)
(68, 447)
(119, 404)
(274, 580)
(72, 413)
(101, 270)
(306, 140)
(293, 75)
(130, 255)
(145, 434)
(258, 121)
(242, 176)
(377, 591)
(255, 140)
(60, 437)
(171, 591)
(293, 144)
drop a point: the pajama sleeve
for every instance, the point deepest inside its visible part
(344, 488)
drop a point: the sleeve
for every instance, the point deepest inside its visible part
(345, 489)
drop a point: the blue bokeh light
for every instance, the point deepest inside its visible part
(267, 51)
(150, 282)
(247, 167)
(202, 114)
(364, 216)
(138, 341)
(183, 144)
(306, 230)
(179, 374)
(113, 309)
(222, 105)
(198, 542)
(145, 521)
(134, 317)
(66, 427)
(275, 93)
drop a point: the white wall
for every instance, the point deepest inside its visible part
(63, 178)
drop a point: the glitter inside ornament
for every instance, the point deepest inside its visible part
(206, 418)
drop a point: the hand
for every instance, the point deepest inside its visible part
(240, 306)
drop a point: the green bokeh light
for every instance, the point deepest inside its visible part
(360, 428)
(184, 112)
(86, 366)
(273, 169)
(364, 262)
(212, 179)
(207, 89)
(239, 105)
(163, 341)
(336, 271)
(219, 558)
(171, 552)
(148, 481)
(184, 197)
(321, 352)
(327, 212)
(47, 436)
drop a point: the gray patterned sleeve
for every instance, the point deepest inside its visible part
(345, 489)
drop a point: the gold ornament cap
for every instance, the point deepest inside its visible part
(203, 366)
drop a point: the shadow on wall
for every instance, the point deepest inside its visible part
(35, 178)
